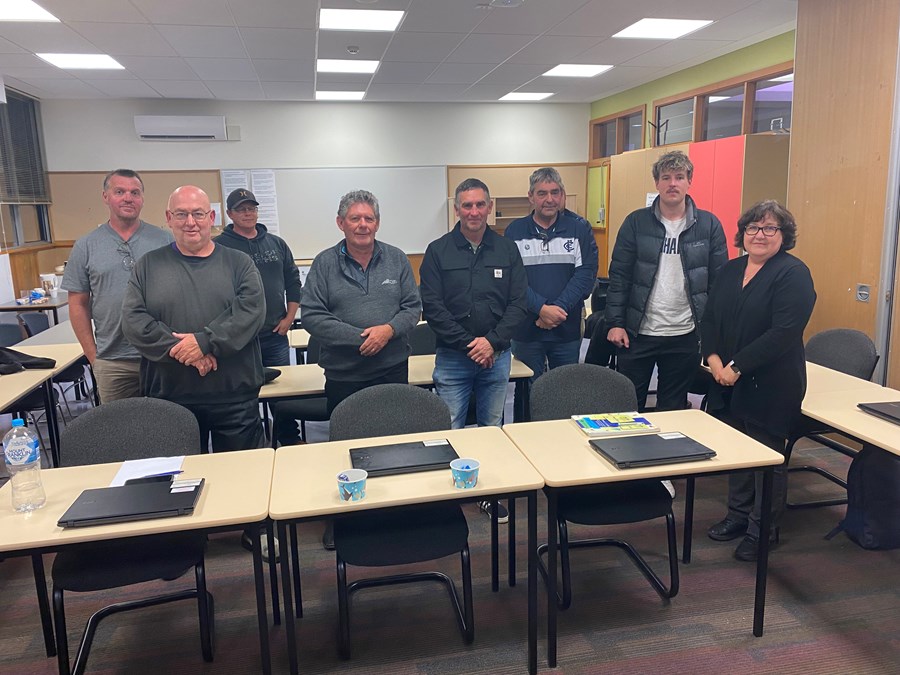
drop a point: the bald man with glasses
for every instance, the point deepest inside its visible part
(96, 275)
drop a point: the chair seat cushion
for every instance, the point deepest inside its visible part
(121, 562)
(400, 537)
(615, 503)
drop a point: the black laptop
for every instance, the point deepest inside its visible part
(410, 457)
(629, 452)
(127, 503)
(889, 410)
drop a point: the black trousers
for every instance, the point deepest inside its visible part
(676, 359)
(232, 426)
(337, 390)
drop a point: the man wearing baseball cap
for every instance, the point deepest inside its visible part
(281, 283)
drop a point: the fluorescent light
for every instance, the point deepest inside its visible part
(784, 78)
(346, 66)
(525, 96)
(340, 95)
(82, 61)
(661, 29)
(576, 70)
(24, 10)
(360, 19)
(716, 99)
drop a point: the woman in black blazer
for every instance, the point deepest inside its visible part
(752, 339)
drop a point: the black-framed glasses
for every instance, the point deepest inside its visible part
(767, 230)
(182, 216)
(127, 258)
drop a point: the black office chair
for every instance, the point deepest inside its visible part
(133, 428)
(314, 409)
(848, 351)
(399, 536)
(587, 388)
(37, 322)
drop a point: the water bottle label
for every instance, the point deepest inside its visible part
(21, 451)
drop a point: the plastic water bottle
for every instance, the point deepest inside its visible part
(23, 461)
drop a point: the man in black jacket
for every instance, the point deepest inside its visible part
(664, 262)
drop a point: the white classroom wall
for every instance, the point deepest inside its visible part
(90, 135)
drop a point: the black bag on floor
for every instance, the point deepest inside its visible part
(873, 500)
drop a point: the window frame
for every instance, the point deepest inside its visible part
(620, 119)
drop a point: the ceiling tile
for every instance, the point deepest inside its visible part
(23, 60)
(223, 69)
(124, 88)
(113, 11)
(279, 43)
(439, 92)
(392, 72)
(392, 92)
(484, 92)
(192, 13)
(333, 44)
(46, 37)
(289, 91)
(431, 47)
(514, 73)
(205, 41)
(275, 14)
(673, 52)
(532, 18)
(614, 51)
(45, 72)
(64, 88)
(158, 67)
(236, 91)
(553, 49)
(344, 81)
(282, 70)
(7, 47)
(459, 73)
(756, 18)
(486, 49)
(137, 39)
(180, 88)
(443, 17)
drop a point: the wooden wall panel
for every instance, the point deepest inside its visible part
(845, 74)
(766, 160)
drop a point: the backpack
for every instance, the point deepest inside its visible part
(873, 500)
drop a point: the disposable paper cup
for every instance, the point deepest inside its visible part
(465, 472)
(352, 484)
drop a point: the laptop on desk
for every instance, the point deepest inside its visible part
(630, 452)
(127, 503)
(410, 457)
(889, 410)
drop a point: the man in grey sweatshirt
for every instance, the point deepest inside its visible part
(360, 301)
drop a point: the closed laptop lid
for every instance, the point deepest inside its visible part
(126, 503)
(651, 449)
(409, 457)
(889, 410)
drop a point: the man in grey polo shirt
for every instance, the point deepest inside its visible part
(96, 277)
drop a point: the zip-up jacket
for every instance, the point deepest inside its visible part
(635, 260)
(561, 265)
(467, 295)
(275, 262)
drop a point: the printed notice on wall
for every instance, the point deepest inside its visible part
(234, 180)
(650, 197)
(263, 186)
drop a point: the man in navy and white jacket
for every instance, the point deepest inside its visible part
(560, 257)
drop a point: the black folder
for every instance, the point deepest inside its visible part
(889, 410)
(629, 452)
(127, 503)
(410, 457)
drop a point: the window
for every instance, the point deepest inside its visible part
(724, 114)
(772, 104)
(675, 122)
(24, 192)
(617, 133)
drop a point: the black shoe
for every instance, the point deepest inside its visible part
(247, 543)
(746, 550)
(502, 513)
(328, 537)
(727, 529)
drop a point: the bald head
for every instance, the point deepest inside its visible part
(190, 218)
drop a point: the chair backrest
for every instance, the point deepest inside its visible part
(844, 349)
(580, 388)
(10, 334)
(132, 428)
(312, 350)
(386, 409)
(422, 340)
(34, 322)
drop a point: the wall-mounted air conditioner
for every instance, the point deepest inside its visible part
(180, 127)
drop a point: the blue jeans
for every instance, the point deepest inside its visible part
(539, 356)
(457, 377)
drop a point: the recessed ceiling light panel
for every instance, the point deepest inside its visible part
(576, 70)
(82, 61)
(346, 66)
(360, 19)
(340, 95)
(526, 96)
(24, 10)
(661, 29)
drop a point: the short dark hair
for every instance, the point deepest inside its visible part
(675, 160)
(758, 212)
(124, 173)
(470, 184)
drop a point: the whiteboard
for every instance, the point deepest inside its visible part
(412, 199)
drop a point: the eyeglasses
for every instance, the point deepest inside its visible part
(247, 209)
(182, 216)
(767, 230)
(127, 259)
